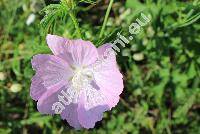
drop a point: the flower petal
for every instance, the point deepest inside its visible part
(52, 73)
(37, 87)
(88, 117)
(76, 52)
(80, 53)
(56, 44)
(71, 115)
(111, 85)
(108, 77)
(106, 52)
(51, 70)
(46, 101)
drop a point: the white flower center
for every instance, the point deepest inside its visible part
(81, 81)
(82, 77)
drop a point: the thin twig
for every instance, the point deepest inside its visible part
(76, 24)
(126, 104)
(106, 18)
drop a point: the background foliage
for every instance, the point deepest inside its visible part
(161, 65)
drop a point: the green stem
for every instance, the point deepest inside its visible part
(76, 24)
(106, 18)
(70, 6)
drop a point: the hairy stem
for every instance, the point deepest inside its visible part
(70, 5)
(76, 24)
(106, 18)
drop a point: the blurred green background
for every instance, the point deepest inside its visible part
(161, 65)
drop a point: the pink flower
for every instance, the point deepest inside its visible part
(70, 81)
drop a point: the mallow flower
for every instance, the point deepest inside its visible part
(79, 81)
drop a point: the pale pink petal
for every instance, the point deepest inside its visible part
(111, 99)
(106, 51)
(80, 53)
(108, 78)
(56, 44)
(52, 70)
(71, 115)
(37, 87)
(111, 84)
(46, 101)
(76, 52)
(52, 73)
(88, 118)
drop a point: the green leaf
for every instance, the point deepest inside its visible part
(192, 71)
(52, 12)
(182, 110)
(16, 63)
(190, 20)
